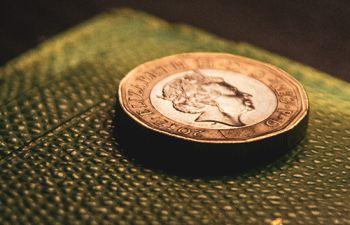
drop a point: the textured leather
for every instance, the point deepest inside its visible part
(60, 162)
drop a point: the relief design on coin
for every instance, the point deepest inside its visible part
(213, 97)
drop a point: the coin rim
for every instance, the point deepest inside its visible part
(302, 114)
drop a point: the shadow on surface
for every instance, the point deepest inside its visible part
(191, 159)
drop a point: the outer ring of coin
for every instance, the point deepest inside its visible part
(291, 100)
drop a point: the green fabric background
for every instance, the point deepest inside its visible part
(60, 163)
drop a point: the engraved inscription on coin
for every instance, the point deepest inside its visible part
(213, 97)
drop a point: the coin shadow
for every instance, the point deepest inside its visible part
(160, 152)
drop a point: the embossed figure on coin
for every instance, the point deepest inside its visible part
(211, 97)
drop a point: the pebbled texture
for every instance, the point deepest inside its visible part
(61, 164)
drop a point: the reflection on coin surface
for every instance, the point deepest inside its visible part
(213, 98)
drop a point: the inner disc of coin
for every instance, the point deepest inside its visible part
(213, 99)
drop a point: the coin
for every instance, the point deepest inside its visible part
(214, 99)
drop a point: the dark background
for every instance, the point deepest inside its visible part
(316, 33)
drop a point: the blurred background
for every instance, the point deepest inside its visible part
(316, 33)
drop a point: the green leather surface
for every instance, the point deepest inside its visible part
(60, 163)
